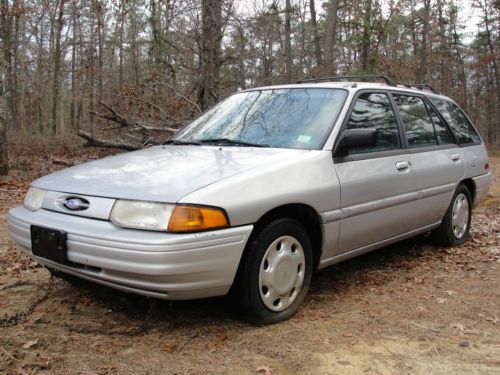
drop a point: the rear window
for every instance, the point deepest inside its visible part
(458, 122)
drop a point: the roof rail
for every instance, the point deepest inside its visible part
(421, 86)
(387, 80)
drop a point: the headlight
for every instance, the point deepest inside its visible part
(141, 215)
(167, 217)
(34, 198)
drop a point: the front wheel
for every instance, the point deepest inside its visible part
(277, 271)
(454, 229)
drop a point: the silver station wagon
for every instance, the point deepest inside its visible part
(260, 191)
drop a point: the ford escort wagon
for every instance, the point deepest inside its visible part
(260, 191)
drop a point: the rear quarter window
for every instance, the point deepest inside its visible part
(458, 122)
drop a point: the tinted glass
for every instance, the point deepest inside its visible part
(416, 121)
(374, 111)
(288, 118)
(459, 124)
(442, 133)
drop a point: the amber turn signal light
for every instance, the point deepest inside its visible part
(194, 219)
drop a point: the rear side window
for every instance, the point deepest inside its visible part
(374, 111)
(417, 122)
(442, 133)
(459, 124)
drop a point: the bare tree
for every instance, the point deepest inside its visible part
(423, 68)
(316, 40)
(57, 66)
(288, 42)
(366, 39)
(210, 52)
(7, 18)
(330, 38)
(4, 156)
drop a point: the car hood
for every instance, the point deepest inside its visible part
(161, 173)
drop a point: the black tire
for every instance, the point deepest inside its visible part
(249, 290)
(445, 235)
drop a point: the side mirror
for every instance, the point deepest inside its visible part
(355, 138)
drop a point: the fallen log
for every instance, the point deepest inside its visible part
(97, 142)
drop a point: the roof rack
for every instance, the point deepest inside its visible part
(387, 80)
(421, 86)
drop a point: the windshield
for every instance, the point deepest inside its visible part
(285, 118)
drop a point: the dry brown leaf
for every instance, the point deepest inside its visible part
(458, 327)
(108, 366)
(30, 344)
(266, 370)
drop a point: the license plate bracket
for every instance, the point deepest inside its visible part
(49, 243)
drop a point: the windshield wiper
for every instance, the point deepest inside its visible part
(181, 142)
(227, 141)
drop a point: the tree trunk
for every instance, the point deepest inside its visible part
(314, 24)
(423, 68)
(210, 52)
(73, 69)
(100, 45)
(330, 38)
(367, 32)
(4, 157)
(6, 33)
(496, 71)
(57, 67)
(444, 55)
(288, 42)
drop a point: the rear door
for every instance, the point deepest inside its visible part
(473, 151)
(436, 159)
(378, 187)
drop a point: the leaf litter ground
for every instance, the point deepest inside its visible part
(410, 308)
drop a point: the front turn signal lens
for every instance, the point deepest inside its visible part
(194, 219)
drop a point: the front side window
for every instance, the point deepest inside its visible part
(458, 122)
(287, 118)
(374, 111)
(417, 123)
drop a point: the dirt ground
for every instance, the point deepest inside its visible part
(411, 308)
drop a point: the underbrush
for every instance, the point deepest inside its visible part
(33, 156)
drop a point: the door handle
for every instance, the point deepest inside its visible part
(455, 157)
(402, 165)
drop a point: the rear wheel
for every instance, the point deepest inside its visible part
(454, 229)
(277, 271)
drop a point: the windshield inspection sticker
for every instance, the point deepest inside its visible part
(304, 138)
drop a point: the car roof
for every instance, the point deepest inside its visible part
(356, 86)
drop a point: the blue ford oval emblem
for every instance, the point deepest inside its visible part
(76, 204)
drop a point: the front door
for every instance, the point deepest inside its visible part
(378, 186)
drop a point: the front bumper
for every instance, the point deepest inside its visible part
(156, 264)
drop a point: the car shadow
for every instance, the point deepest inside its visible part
(333, 281)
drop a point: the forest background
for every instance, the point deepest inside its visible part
(128, 73)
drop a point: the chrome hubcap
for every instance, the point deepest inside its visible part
(460, 215)
(281, 274)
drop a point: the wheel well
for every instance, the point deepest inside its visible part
(469, 183)
(304, 214)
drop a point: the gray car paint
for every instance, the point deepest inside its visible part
(161, 173)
